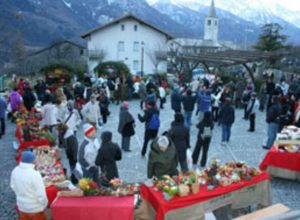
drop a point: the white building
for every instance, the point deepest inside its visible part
(130, 40)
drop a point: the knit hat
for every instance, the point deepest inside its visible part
(163, 141)
(125, 105)
(88, 128)
(27, 157)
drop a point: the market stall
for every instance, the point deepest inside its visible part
(216, 191)
(283, 159)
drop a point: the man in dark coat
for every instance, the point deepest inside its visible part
(28, 99)
(108, 154)
(180, 136)
(226, 118)
(176, 100)
(71, 144)
(273, 119)
(188, 102)
(162, 158)
(150, 132)
(3, 107)
(126, 126)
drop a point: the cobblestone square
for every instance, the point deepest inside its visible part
(243, 146)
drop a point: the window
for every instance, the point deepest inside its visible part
(135, 27)
(121, 46)
(216, 23)
(122, 27)
(136, 46)
(209, 22)
(136, 65)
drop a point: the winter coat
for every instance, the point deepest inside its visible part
(188, 102)
(180, 136)
(49, 113)
(126, 122)
(71, 144)
(104, 104)
(162, 163)
(147, 116)
(73, 121)
(142, 92)
(15, 100)
(254, 109)
(240, 86)
(176, 101)
(61, 111)
(28, 185)
(273, 114)
(204, 101)
(203, 124)
(108, 154)
(2, 107)
(226, 115)
(91, 112)
(28, 99)
(88, 153)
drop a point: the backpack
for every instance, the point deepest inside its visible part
(154, 122)
(207, 133)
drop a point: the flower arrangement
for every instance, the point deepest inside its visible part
(88, 187)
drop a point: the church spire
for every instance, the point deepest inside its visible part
(212, 10)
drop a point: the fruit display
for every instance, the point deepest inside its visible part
(288, 140)
(289, 133)
(215, 175)
(120, 188)
(48, 165)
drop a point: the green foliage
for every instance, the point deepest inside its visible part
(271, 40)
(113, 69)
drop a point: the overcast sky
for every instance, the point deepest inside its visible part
(289, 4)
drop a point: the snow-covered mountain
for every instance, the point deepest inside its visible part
(257, 11)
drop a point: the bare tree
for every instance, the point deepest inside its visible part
(156, 55)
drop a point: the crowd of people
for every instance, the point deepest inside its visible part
(64, 110)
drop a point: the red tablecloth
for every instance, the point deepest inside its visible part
(25, 144)
(284, 160)
(93, 208)
(155, 198)
(51, 192)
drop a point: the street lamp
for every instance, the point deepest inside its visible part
(142, 58)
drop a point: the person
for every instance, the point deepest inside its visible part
(203, 139)
(180, 136)
(245, 100)
(226, 118)
(162, 96)
(252, 109)
(216, 96)
(126, 126)
(270, 87)
(28, 97)
(240, 86)
(107, 156)
(72, 117)
(176, 100)
(88, 152)
(49, 113)
(28, 185)
(40, 89)
(91, 112)
(162, 158)
(60, 95)
(188, 102)
(152, 123)
(104, 104)
(203, 102)
(142, 94)
(262, 97)
(3, 107)
(71, 144)
(118, 90)
(273, 116)
(15, 101)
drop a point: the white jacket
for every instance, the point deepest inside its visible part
(91, 112)
(29, 188)
(61, 111)
(162, 92)
(74, 121)
(49, 114)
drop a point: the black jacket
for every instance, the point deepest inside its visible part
(226, 115)
(108, 154)
(180, 136)
(28, 99)
(71, 144)
(188, 103)
(175, 101)
(273, 114)
(147, 116)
